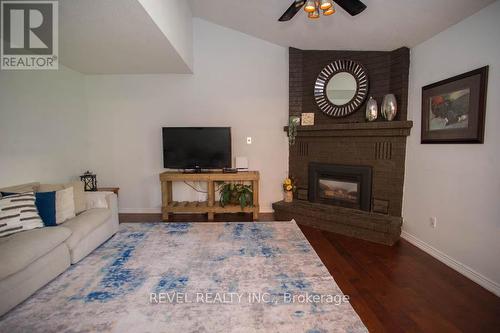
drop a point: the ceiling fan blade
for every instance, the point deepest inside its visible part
(353, 7)
(292, 10)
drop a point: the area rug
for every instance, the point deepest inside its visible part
(193, 277)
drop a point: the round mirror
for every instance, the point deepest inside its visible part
(341, 88)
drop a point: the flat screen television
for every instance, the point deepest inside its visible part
(196, 147)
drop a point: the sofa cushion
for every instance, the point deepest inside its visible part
(19, 250)
(18, 213)
(78, 192)
(79, 195)
(84, 224)
(55, 203)
(96, 200)
(46, 205)
(29, 187)
(50, 187)
(65, 205)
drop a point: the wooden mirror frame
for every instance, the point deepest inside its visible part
(338, 66)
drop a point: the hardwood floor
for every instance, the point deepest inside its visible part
(403, 289)
(393, 289)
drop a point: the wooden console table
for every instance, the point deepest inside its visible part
(211, 206)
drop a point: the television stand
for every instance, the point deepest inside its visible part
(211, 206)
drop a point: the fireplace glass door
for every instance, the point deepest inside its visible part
(339, 190)
(341, 185)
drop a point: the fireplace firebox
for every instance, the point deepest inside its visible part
(341, 185)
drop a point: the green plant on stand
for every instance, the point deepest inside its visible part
(236, 194)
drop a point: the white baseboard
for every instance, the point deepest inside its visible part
(454, 264)
(139, 210)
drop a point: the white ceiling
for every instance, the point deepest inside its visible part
(384, 25)
(114, 37)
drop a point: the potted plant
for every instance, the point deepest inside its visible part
(288, 188)
(236, 194)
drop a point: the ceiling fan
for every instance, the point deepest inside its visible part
(313, 8)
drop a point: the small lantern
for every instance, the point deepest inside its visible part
(89, 180)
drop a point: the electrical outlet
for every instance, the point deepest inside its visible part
(249, 140)
(433, 222)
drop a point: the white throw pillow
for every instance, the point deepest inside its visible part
(96, 199)
(79, 195)
(18, 213)
(65, 205)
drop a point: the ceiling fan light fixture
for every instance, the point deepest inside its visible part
(329, 11)
(310, 6)
(315, 7)
(326, 4)
(314, 14)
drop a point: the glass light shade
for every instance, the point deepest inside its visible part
(310, 6)
(329, 11)
(314, 15)
(325, 4)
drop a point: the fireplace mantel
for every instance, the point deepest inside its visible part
(379, 128)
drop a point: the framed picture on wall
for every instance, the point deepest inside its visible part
(453, 110)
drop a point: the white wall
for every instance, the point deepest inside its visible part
(457, 183)
(174, 19)
(43, 126)
(239, 81)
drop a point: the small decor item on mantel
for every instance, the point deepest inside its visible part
(288, 188)
(89, 180)
(293, 122)
(371, 109)
(453, 110)
(307, 119)
(389, 107)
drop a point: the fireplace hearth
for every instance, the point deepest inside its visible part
(341, 185)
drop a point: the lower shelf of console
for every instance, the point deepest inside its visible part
(378, 228)
(203, 207)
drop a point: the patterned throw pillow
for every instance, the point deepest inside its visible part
(54, 207)
(18, 213)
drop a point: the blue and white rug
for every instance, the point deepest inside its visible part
(193, 277)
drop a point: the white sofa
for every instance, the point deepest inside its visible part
(31, 259)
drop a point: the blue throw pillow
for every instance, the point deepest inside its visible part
(45, 202)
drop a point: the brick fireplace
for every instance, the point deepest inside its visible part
(349, 172)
